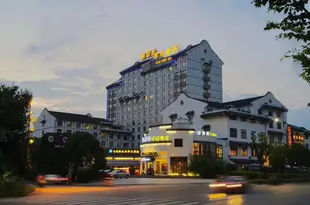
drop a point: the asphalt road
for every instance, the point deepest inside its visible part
(164, 195)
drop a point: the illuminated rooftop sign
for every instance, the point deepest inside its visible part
(206, 133)
(124, 151)
(162, 54)
(147, 139)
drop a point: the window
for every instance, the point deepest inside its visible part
(271, 124)
(69, 124)
(219, 151)
(279, 125)
(95, 134)
(139, 129)
(178, 142)
(196, 148)
(259, 111)
(252, 120)
(233, 117)
(244, 152)
(270, 113)
(233, 132)
(243, 119)
(59, 123)
(243, 134)
(110, 144)
(69, 131)
(59, 131)
(278, 115)
(102, 143)
(86, 126)
(95, 127)
(233, 152)
(133, 129)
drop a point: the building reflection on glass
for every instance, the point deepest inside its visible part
(229, 199)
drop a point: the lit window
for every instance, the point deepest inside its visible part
(244, 152)
(87, 127)
(219, 152)
(233, 152)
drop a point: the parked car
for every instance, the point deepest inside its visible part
(56, 179)
(118, 174)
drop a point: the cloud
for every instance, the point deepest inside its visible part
(71, 50)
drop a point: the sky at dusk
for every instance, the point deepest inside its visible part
(67, 52)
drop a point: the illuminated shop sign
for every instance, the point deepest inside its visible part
(124, 151)
(147, 139)
(162, 54)
(289, 136)
(206, 133)
(149, 154)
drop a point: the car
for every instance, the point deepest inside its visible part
(55, 179)
(230, 184)
(118, 174)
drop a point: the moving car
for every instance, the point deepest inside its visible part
(118, 174)
(230, 184)
(56, 179)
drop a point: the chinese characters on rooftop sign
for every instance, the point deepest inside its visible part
(158, 55)
(148, 139)
(207, 133)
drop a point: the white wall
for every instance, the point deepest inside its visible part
(49, 125)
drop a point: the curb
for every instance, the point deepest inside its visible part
(104, 185)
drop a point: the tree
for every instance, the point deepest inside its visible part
(294, 25)
(261, 147)
(15, 105)
(278, 157)
(298, 155)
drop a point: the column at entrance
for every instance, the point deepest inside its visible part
(168, 163)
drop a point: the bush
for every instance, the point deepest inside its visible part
(208, 167)
(250, 175)
(15, 189)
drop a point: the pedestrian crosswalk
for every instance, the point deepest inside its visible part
(97, 200)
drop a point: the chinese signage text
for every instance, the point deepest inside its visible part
(207, 133)
(155, 139)
(162, 54)
(150, 154)
(123, 151)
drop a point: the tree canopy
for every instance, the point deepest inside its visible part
(15, 105)
(261, 147)
(295, 25)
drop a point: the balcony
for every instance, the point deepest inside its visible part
(206, 95)
(206, 86)
(206, 70)
(206, 78)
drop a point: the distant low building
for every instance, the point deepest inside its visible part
(108, 134)
(297, 135)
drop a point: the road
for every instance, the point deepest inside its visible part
(195, 194)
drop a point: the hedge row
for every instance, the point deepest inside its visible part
(260, 175)
(15, 189)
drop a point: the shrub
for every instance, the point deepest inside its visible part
(208, 167)
(250, 175)
(15, 189)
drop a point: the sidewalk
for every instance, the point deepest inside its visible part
(150, 181)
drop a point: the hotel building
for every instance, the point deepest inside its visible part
(145, 88)
(108, 134)
(194, 126)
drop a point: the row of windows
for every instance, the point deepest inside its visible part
(233, 132)
(86, 126)
(124, 145)
(240, 152)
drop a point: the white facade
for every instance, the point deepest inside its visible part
(144, 89)
(233, 122)
(108, 134)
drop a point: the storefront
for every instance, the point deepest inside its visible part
(167, 150)
(123, 159)
(155, 154)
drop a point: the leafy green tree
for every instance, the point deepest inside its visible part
(278, 157)
(298, 155)
(261, 147)
(15, 105)
(295, 25)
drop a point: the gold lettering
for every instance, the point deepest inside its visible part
(142, 56)
(156, 55)
(162, 138)
(162, 54)
(168, 51)
(175, 49)
(166, 138)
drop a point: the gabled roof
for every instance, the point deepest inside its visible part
(137, 64)
(210, 103)
(242, 102)
(72, 117)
